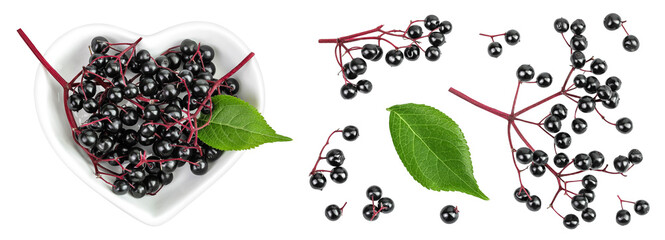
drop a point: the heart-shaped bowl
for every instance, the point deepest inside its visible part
(70, 52)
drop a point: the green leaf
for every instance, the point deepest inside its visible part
(433, 149)
(236, 125)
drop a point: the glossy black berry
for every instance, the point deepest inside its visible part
(579, 125)
(129, 116)
(339, 175)
(612, 21)
(163, 148)
(87, 138)
(370, 212)
(552, 124)
(559, 110)
(200, 168)
(99, 44)
(350, 133)
(562, 140)
(373, 193)
(414, 32)
(635, 156)
(521, 195)
(348, 91)
(112, 69)
(494, 49)
(614, 83)
(120, 187)
(561, 160)
(165, 178)
(128, 138)
(524, 155)
(582, 162)
(604, 92)
(537, 170)
(364, 86)
(152, 183)
(642, 207)
(207, 53)
(589, 182)
(139, 190)
(598, 66)
(592, 85)
(358, 66)
(577, 59)
(432, 53)
(534, 203)
(233, 86)
(588, 214)
(333, 212)
(571, 221)
(346, 69)
(137, 174)
(624, 125)
(436, 39)
(317, 181)
(112, 125)
(588, 194)
(431, 22)
(75, 102)
(412, 52)
(540, 157)
(199, 88)
(188, 47)
(578, 26)
(621, 163)
(579, 43)
(372, 52)
(386, 205)
(544, 80)
(449, 214)
(88, 89)
(631, 43)
(613, 102)
(561, 25)
(623, 217)
(512, 37)
(579, 202)
(335, 157)
(597, 159)
(580, 81)
(394, 57)
(586, 104)
(445, 27)
(525, 73)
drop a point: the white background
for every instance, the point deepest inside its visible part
(267, 195)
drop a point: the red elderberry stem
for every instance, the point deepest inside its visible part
(519, 172)
(321, 152)
(538, 103)
(624, 28)
(603, 117)
(621, 201)
(342, 39)
(557, 213)
(41, 59)
(342, 208)
(519, 133)
(478, 104)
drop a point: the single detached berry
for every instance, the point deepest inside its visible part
(623, 217)
(449, 214)
(624, 125)
(333, 212)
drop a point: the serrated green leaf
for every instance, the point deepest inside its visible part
(433, 149)
(236, 125)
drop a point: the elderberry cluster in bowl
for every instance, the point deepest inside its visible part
(140, 110)
(383, 204)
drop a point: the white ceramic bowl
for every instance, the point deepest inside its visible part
(69, 53)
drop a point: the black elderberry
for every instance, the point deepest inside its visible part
(524, 155)
(350, 133)
(445, 27)
(431, 22)
(88, 89)
(580, 81)
(612, 21)
(148, 68)
(537, 170)
(358, 66)
(109, 110)
(571, 221)
(339, 175)
(148, 86)
(432, 53)
(163, 148)
(588, 214)
(369, 212)
(394, 57)
(373, 193)
(604, 92)
(521, 195)
(562, 140)
(578, 59)
(540, 157)
(436, 39)
(642, 207)
(174, 59)
(139, 190)
(348, 73)
(578, 26)
(128, 137)
(552, 124)
(635, 156)
(333, 212)
(578, 43)
(614, 83)
(99, 44)
(534, 203)
(613, 102)
(598, 66)
(559, 110)
(200, 88)
(561, 160)
(588, 194)
(335, 157)
(317, 181)
(348, 91)
(544, 79)
(75, 102)
(525, 73)
(207, 53)
(165, 178)
(561, 25)
(623, 217)
(412, 52)
(151, 113)
(137, 174)
(387, 205)
(586, 104)
(621, 163)
(364, 86)
(631, 43)
(624, 125)
(188, 47)
(582, 162)
(414, 32)
(152, 183)
(232, 86)
(372, 52)
(589, 182)
(449, 214)
(592, 85)
(512, 37)
(87, 138)
(579, 125)
(120, 187)
(597, 159)
(579, 202)
(199, 165)
(494, 49)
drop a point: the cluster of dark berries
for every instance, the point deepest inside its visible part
(449, 214)
(435, 34)
(641, 207)
(383, 204)
(613, 22)
(335, 158)
(494, 49)
(142, 112)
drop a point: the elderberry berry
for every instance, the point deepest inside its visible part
(370, 212)
(512, 37)
(624, 125)
(537, 170)
(612, 21)
(525, 73)
(373, 193)
(394, 57)
(621, 163)
(571, 221)
(561, 25)
(578, 26)
(335, 157)
(635, 156)
(364, 86)
(559, 110)
(623, 217)
(642, 207)
(348, 91)
(589, 182)
(534, 203)
(494, 49)
(449, 214)
(317, 181)
(521, 195)
(333, 212)
(588, 214)
(579, 202)
(432, 53)
(544, 80)
(631, 43)
(350, 133)
(561, 160)
(387, 205)
(562, 140)
(338, 175)
(524, 155)
(582, 162)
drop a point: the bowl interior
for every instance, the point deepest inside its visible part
(69, 53)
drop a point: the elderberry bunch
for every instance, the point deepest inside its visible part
(384, 204)
(141, 110)
(335, 158)
(435, 31)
